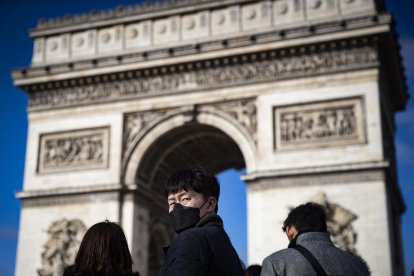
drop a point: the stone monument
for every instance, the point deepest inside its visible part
(301, 93)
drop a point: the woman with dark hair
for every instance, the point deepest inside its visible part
(103, 252)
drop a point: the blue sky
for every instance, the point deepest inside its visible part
(15, 51)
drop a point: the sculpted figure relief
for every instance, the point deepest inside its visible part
(318, 124)
(73, 150)
(250, 69)
(64, 237)
(327, 123)
(135, 122)
(339, 222)
(79, 149)
(243, 111)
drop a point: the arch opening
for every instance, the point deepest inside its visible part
(186, 146)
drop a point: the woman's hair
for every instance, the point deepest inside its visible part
(103, 251)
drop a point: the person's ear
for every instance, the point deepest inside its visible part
(291, 232)
(211, 204)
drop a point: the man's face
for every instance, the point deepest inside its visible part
(188, 198)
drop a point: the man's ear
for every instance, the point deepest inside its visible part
(291, 232)
(211, 204)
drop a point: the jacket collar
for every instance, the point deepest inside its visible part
(213, 220)
(307, 236)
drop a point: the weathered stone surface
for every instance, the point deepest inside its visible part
(208, 20)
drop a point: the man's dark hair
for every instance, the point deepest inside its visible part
(196, 179)
(307, 217)
(103, 251)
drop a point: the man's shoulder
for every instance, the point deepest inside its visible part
(281, 255)
(202, 231)
(279, 262)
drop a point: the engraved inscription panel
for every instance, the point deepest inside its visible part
(320, 124)
(76, 150)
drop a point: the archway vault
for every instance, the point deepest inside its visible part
(196, 136)
(161, 142)
(188, 146)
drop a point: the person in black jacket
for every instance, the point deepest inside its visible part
(201, 247)
(102, 252)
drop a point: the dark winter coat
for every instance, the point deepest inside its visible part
(202, 250)
(332, 259)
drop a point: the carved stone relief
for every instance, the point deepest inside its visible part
(321, 124)
(339, 221)
(75, 150)
(243, 111)
(64, 238)
(238, 70)
(135, 122)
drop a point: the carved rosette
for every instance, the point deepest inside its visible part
(59, 251)
(339, 221)
(74, 150)
(320, 124)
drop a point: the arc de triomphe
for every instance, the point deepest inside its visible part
(302, 93)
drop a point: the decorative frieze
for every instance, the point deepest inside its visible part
(75, 150)
(269, 66)
(319, 124)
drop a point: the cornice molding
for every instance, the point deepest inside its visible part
(319, 170)
(103, 188)
(372, 24)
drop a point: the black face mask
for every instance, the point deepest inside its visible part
(184, 217)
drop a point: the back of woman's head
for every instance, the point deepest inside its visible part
(103, 251)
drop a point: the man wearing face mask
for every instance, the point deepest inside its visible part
(201, 247)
